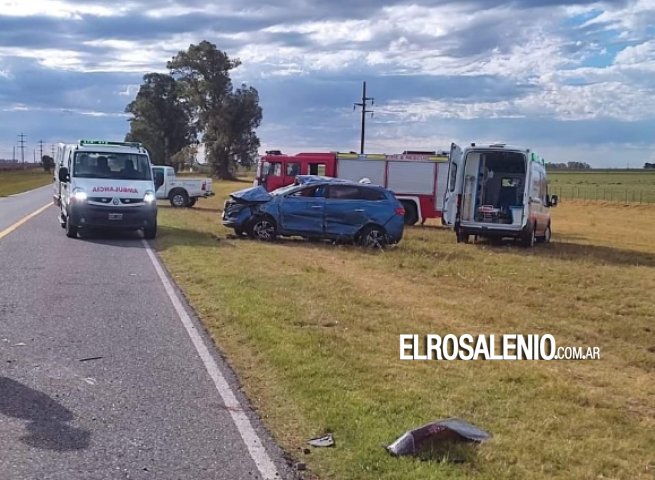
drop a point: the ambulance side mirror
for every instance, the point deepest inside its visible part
(64, 176)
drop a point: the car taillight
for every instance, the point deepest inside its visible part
(400, 211)
(204, 185)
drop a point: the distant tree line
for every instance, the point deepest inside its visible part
(568, 166)
(649, 165)
(196, 100)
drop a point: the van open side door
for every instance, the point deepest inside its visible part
(454, 187)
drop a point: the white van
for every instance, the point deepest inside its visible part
(105, 184)
(498, 191)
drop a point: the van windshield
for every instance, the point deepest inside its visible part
(120, 166)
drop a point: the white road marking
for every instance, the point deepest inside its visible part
(13, 227)
(252, 441)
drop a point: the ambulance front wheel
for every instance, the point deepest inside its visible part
(71, 230)
(150, 231)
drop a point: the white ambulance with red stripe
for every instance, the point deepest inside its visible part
(101, 184)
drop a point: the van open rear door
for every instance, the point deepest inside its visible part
(454, 187)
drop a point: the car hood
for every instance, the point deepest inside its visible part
(252, 194)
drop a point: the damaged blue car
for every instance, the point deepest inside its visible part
(318, 208)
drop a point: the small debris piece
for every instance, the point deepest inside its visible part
(88, 359)
(301, 466)
(20, 344)
(453, 429)
(325, 441)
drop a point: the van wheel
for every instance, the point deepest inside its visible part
(150, 232)
(373, 237)
(547, 235)
(71, 230)
(179, 198)
(529, 238)
(263, 229)
(411, 214)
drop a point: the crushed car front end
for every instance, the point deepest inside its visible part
(241, 206)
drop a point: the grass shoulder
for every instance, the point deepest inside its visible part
(18, 181)
(313, 332)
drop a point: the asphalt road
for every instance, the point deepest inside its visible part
(99, 378)
(15, 207)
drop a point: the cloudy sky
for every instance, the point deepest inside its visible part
(574, 80)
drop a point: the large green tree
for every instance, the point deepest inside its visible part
(226, 117)
(161, 118)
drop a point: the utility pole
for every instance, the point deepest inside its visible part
(22, 147)
(364, 104)
(13, 154)
(41, 149)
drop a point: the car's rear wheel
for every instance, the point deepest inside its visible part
(179, 198)
(373, 237)
(264, 229)
(411, 214)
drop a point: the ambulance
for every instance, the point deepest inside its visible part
(105, 185)
(498, 191)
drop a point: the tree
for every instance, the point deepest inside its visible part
(185, 158)
(227, 118)
(160, 119)
(48, 163)
(649, 165)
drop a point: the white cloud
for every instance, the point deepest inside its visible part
(55, 8)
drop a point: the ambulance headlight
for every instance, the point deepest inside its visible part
(149, 197)
(79, 195)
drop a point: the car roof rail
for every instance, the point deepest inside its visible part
(111, 144)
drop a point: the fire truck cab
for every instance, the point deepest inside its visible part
(276, 170)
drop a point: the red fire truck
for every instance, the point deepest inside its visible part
(418, 179)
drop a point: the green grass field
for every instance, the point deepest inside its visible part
(631, 186)
(17, 181)
(313, 332)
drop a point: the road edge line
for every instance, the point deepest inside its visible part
(253, 443)
(23, 220)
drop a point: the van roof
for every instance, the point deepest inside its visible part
(107, 146)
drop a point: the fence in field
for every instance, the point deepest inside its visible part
(635, 194)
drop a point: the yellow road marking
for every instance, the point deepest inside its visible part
(8, 230)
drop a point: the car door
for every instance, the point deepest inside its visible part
(536, 207)
(302, 211)
(454, 188)
(345, 210)
(161, 191)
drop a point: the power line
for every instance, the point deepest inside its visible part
(364, 105)
(22, 147)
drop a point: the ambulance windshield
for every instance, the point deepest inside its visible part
(119, 166)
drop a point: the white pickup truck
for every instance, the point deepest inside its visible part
(181, 192)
